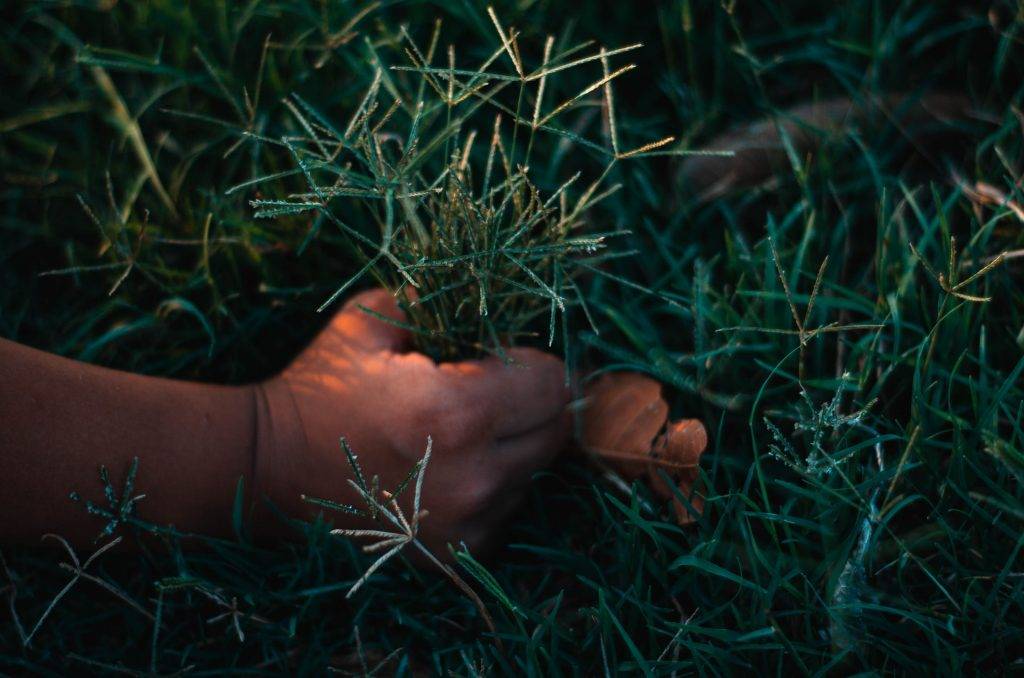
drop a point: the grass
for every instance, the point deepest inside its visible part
(840, 330)
(474, 250)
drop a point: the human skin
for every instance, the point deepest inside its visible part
(492, 422)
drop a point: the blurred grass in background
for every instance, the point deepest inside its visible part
(864, 480)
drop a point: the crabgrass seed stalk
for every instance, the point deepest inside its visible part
(479, 255)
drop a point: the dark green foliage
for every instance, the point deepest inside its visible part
(865, 504)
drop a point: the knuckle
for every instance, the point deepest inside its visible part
(447, 422)
(426, 417)
(547, 370)
(461, 423)
(372, 298)
(537, 358)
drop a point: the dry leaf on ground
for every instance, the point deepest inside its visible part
(625, 423)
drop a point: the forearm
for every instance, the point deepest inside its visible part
(60, 419)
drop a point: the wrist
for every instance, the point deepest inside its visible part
(279, 447)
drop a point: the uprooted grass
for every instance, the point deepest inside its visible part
(840, 330)
(475, 252)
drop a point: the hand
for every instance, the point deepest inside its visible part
(492, 424)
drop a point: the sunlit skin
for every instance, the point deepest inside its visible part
(493, 423)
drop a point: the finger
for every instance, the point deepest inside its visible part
(358, 321)
(519, 457)
(516, 395)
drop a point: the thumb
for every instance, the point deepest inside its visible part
(368, 320)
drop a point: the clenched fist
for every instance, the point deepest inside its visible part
(493, 423)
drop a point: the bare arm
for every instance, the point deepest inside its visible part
(492, 423)
(62, 418)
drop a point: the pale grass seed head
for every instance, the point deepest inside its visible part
(430, 181)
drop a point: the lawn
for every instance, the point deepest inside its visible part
(848, 323)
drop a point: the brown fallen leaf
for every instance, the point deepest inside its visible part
(679, 449)
(624, 413)
(625, 424)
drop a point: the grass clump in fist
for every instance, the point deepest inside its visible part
(453, 221)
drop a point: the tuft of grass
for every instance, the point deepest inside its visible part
(478, 255)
